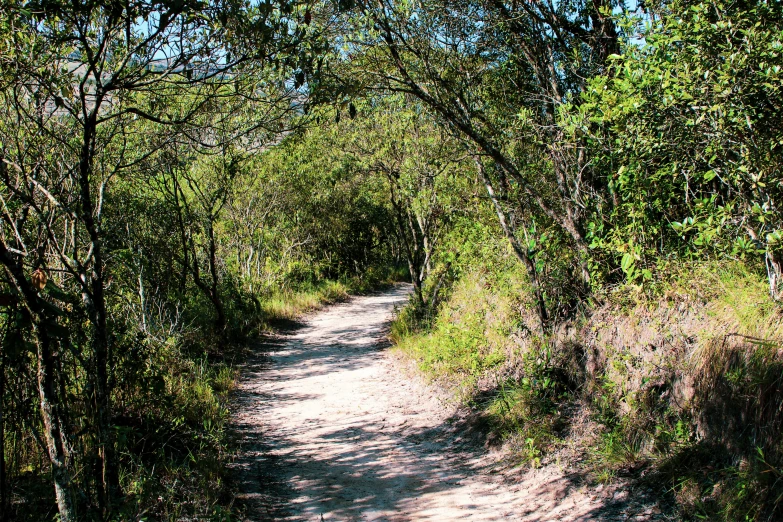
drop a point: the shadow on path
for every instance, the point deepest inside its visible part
(331, 430)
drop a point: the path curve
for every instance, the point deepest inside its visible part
(331, 429)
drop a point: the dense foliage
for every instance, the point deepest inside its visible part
(687, 129)
(175, 175)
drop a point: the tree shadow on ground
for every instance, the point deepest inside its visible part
(367, 470)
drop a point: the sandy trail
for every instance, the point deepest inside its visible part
(331, 429)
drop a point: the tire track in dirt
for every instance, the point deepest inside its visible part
(332, 430)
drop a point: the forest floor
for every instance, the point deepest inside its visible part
(332, 427)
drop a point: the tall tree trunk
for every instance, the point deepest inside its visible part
(93, 295)
(404, 224)
(462, 120)
(220, 321)
(211, 289)
(570, 217)
(142, 297)
(54, 438)
(177, 190)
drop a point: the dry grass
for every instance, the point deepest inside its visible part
(288, 304)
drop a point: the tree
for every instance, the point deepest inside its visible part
(91, 90)
(395, 138)
(499, 73)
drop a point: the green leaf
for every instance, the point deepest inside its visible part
(627, 262)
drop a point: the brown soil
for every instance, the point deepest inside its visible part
(332, 429)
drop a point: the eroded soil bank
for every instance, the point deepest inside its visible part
(333, 429)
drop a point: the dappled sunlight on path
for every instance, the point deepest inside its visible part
(332, 430)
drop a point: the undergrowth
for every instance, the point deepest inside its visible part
(479, 343)
(680, 382)
(172, 420)
(289, 303)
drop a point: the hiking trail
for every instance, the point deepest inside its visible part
(333, 429)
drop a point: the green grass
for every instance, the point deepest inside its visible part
(175, 440)
(471, 344)
(291, 303)
(469, 336)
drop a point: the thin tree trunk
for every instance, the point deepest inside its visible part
(211, 291)
(570, 218)
(53, 436)
(52, 433)
(774, 264)
(221, 320)
(520, 252)
(183, 233)
(426, 243)
(142, 299)
(94, 298)
(462, 123)
(774, 261)
(403, 225)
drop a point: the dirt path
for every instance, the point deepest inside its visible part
(332, 430)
